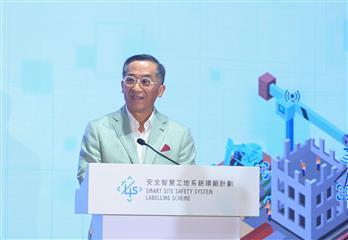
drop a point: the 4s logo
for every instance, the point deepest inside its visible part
(129, 189)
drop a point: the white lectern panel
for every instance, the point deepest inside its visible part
(167, 201)
(169, 190)
(165, 227)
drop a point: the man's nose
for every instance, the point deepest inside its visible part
(137, 86)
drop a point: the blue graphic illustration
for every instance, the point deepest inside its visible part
(249, 154)
(129, 188)
(287, 109)
(292, 96)
(265, 200)
(264, 170)
(342, 192)
(345, 157)
(308, 198)
(306, 204)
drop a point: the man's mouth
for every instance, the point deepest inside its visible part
(137, 97)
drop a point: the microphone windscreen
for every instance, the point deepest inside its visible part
(141, 141)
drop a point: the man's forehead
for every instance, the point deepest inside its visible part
(142, 64)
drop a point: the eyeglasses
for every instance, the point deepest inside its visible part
(131, 81)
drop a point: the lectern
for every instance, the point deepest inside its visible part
(129, 201)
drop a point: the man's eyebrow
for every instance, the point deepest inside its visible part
(142, 75)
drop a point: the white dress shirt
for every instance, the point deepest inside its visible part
(137, 134)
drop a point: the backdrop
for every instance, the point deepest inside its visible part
(61, 67)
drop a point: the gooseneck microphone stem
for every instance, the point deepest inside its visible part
(176, 163)
(143, 143)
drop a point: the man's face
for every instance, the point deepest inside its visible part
(141, 99)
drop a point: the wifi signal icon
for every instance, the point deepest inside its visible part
(291, 96)
(345, 157)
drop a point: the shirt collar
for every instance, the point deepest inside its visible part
(134, 123)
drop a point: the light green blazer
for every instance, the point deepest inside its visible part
(109, 139)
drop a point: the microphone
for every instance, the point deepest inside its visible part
(143, 143)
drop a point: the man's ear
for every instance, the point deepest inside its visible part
(122, 86)
(161, 90)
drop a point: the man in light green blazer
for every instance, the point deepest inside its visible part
(112, 138)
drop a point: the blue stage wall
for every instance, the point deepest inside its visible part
(62, 63)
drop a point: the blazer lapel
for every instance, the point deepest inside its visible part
(124, 133)
(156, 137)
